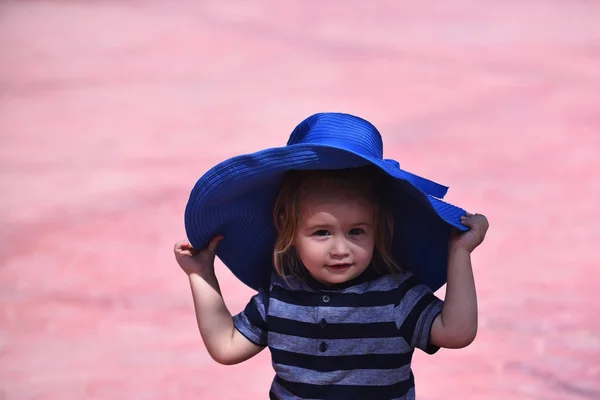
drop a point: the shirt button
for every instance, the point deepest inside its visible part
(326, 299)
(323, 347)
(323, 323)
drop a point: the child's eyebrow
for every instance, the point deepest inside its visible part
(318, 226)
(327, 226)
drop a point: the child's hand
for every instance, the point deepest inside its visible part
(193, 261)
(469, 240)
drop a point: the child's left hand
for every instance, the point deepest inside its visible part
(469, 240)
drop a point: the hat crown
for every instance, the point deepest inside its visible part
(339, 130)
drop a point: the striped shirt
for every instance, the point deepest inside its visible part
(350, 341)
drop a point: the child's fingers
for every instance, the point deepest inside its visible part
(184, 247)
(475, 221)
(212, 246)
(482, 219)
(181, 245)
(467, 220)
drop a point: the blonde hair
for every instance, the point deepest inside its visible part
(368, 181)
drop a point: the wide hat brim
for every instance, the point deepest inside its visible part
(236, 197)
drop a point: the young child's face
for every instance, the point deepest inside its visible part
(335, 235)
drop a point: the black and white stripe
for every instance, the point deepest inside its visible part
(354, 342)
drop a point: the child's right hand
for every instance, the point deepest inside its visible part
(193, 261)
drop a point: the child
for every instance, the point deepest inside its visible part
(341, 313)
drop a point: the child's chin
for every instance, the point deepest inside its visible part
(335, 279)
(341, 277)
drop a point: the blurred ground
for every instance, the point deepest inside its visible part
(110, 110)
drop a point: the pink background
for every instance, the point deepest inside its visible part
(110, 111)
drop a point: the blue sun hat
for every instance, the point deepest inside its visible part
(236, 197)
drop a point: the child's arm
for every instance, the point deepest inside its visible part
(225, 344)
(456, 325)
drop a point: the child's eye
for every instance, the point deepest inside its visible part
(321, 232)
(357, 231)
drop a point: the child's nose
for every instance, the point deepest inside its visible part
(339, 248)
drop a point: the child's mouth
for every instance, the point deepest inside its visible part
(338, 267)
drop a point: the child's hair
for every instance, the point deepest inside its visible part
(368, 182)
